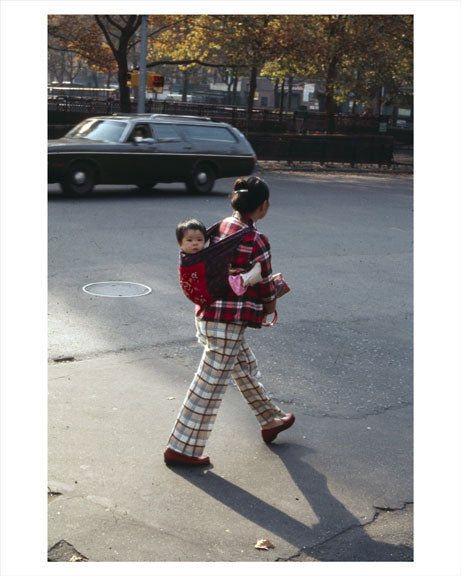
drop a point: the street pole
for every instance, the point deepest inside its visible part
(142, 67)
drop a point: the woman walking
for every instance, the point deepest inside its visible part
(221, 328)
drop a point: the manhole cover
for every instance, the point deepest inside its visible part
(117, 289)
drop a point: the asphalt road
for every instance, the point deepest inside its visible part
(340, 355)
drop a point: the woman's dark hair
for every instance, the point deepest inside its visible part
(192, 224)
(248, 194)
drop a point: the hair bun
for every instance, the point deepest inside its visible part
(240, 185)
(248, 194)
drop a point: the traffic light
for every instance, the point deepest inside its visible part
(154, 81)
(132, 78)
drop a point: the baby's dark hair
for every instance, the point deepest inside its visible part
(191, 224)
(248, 194)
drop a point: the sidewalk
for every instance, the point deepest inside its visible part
(402, 164)
(112, 498)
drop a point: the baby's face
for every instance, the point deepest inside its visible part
(193, 241)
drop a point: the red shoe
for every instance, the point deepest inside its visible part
(173, 458)
(271, 433)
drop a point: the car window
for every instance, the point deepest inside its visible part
(142, 130)
(106, 130)
(166, 133)
(208, 134)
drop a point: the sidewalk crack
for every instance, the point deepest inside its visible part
(306, 550)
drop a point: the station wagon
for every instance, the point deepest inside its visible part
(147, 149)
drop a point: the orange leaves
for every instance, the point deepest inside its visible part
(355, 51)
(82, 36)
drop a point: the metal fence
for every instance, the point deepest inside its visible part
(88, 106)
(64, 110)
(357, 149)
(323, 148)
(274, 135)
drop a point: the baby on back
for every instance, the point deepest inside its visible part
(192, 238)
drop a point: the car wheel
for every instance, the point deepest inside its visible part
(79, 179)
(202, 179)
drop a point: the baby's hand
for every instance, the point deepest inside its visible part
(253, 276)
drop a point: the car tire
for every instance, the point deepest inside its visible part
(79, 179)
(201, 180)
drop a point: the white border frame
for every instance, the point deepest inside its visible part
(24, 256)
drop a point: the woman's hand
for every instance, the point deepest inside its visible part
(269, 308)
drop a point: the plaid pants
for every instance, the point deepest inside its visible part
(226, 355)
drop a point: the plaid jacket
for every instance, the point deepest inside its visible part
(249, 307)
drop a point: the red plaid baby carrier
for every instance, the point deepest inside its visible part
(204, 276)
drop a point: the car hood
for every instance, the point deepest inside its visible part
(64, 140)
(77, 144)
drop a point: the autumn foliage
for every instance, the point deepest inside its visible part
(349, 54)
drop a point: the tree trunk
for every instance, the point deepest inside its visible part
(95, 79)
(62, 73)
(251, 93)
(71, 69)
(290, 92)
(229, 94)
(185, 87)
(120, 53)
(282, 99)
(329, 96)
(356, 91)
(330, 110)
(379, 101)
(336, 31)
(234, 90)
(276, 93)
(395, 110)
(125, 103)
(354, 105)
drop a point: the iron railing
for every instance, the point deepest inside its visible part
(65, 109)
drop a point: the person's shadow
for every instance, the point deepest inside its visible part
(333, 518)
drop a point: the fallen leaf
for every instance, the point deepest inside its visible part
(75, 558)
(264, 545)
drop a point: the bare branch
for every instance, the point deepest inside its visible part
(134, 22)
(167, 26)
(192, 61)
(114, 23)
(157, 31)
(65, 50)
(106, 35)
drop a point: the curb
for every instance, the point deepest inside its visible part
(276, 166)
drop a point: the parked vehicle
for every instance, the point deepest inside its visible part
(148, 149)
